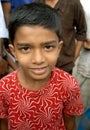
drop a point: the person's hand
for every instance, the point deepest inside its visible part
(87, 44)
(3, 67)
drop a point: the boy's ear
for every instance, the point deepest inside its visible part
(12, 49)
(60, 45)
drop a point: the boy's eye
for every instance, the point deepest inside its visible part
(25, 49)
(49, 47)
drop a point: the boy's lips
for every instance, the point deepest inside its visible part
(39, 71)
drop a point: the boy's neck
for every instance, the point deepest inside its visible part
(31, 84)
(51, 3)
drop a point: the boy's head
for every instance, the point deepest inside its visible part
(34, 14)
(34, 31)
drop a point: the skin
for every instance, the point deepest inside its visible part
(69, 122)
(3, 124)
(37, 57)
(6, 9)
(79, 45)
(51, 3)
(87, 44)
(3, 63)
(3, 67)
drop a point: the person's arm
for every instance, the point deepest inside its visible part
(81, 27)
(11, 63)
(3, 63)
(6, 9)
(87, 44)
(69, 122)
(3, 124)
(1, 40)
(79, 45)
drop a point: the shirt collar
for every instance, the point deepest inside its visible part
(61, 4)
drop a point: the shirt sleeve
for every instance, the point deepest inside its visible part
(79, 21)
(4, 102)
(72, 97)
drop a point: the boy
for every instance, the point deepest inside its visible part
(38, 96)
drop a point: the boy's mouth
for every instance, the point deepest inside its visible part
(39, 71)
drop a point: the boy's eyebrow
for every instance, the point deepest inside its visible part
(50, 42)
(23, 44)
(46, 42)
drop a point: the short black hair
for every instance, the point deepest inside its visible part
(34, 14)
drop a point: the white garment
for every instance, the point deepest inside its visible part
(83, 66)
(3, 29)
(86, 7)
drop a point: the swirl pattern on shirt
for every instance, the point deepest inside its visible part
(42, 109)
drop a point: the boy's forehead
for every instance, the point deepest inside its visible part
(35, 33)
(33, 27)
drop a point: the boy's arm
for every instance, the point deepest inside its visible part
(3, 124)
(69, 122)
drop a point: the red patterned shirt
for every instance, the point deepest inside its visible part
(42, 109)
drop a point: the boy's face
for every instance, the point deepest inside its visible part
(36, 49)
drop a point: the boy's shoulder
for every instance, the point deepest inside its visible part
(63, 77)
(61, 74)
(11, 77)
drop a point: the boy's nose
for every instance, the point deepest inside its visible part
(38, 57)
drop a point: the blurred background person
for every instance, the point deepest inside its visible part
(10, 5)
(83, 66)
(5, 59)
(3, 34)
